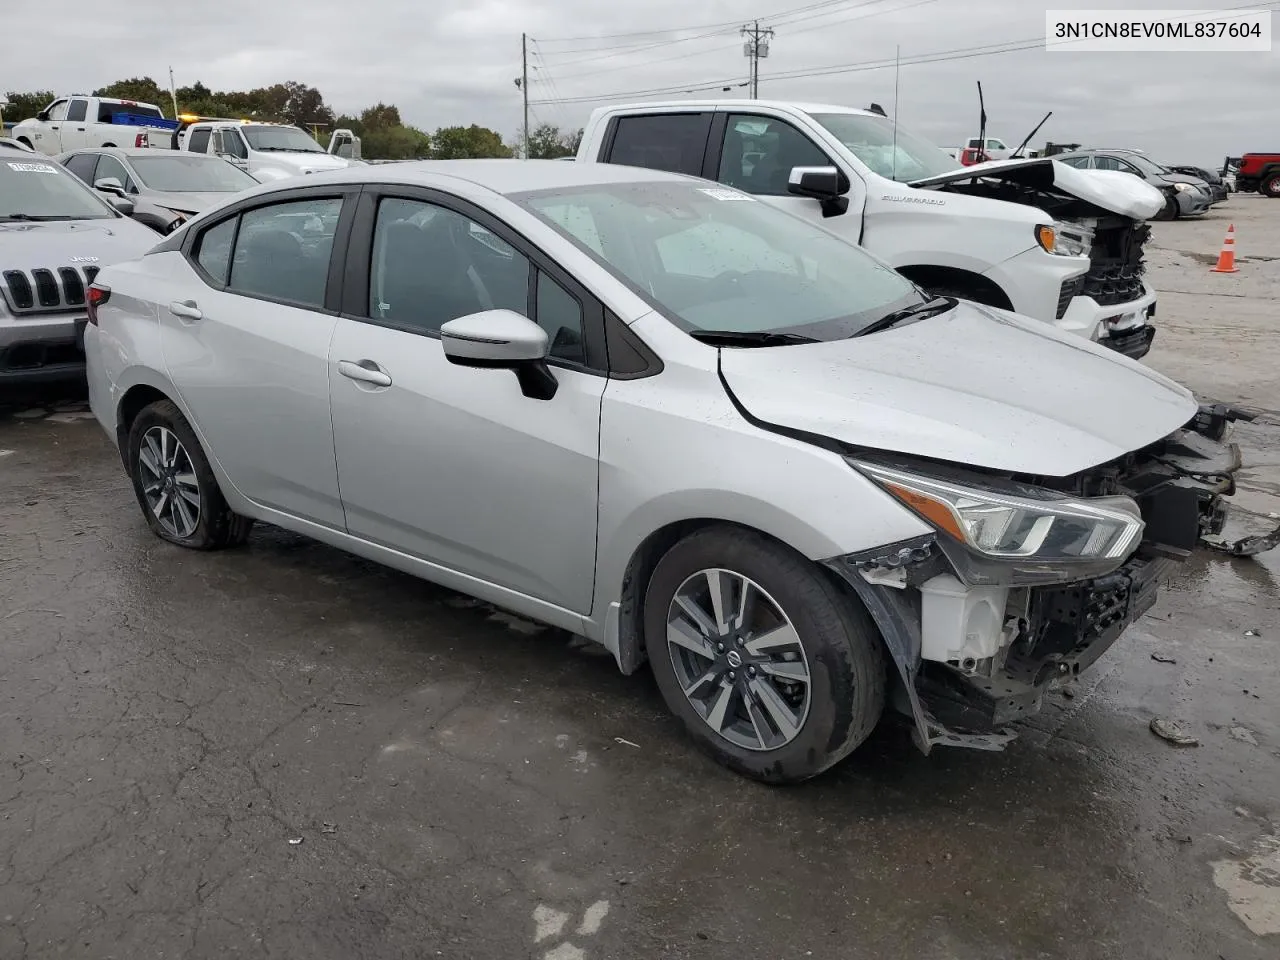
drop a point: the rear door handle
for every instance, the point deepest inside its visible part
(366, 371)
(185, 310)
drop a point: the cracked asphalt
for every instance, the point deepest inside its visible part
(287, 752)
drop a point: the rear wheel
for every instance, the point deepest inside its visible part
(175, 485)
(772, 669)
(1270, 187)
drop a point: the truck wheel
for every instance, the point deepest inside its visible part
(175, 485)
(774, 671)
(1270, 187)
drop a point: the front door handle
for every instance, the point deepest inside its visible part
(366, 371)
(185, 310)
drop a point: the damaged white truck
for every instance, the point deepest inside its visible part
(1032, 236)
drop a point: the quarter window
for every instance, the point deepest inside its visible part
(560, 314)
(431, 265)
(759, 153)
(213, 252)
(282, 251)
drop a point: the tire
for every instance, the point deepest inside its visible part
(1169, 211)
(838, 648)
(215, 526)
(1270, 187)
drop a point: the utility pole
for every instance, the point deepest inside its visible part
(524, 87)
(756, 46)
(173, 92)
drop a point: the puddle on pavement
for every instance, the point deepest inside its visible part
(1252, 886)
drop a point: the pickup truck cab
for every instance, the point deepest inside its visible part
(1033, 236)
(76, 122)
(268, 151)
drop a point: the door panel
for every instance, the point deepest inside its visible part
(455, 465)
(253, 371)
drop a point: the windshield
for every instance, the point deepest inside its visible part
(40, 190)
(280, 138)
(872, 140)
(1145, 165)
(190, 173)
(713, 259)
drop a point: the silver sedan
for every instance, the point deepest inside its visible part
(653, 411)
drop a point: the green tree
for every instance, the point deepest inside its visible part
(457, 143)
(395, 143)
(547, 142)
(142, 89)
(24, 106)
(382, 116)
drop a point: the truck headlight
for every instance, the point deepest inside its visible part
(1064, 239)
(1018, 535)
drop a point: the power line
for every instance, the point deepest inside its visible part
(699, 26)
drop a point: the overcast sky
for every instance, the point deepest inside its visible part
(447, 63)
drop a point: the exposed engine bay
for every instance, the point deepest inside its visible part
(973, 657)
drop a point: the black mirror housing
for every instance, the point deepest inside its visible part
(825, 184)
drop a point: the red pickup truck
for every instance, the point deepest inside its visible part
(1258, 171)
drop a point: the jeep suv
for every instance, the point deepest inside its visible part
(55, 233)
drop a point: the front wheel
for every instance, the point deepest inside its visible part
(771, 667)
(175, 485)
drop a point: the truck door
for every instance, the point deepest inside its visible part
(73, 127)
(49, 140)
(755, 153)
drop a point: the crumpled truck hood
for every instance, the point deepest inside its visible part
(1111, 190)
(973, 386)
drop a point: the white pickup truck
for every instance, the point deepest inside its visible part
(268, 151)
(1033, 236)
(76, 122)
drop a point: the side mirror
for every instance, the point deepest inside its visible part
(502, 339)
(109, 185)
(122, 205)
(43, 116)
(826, 184)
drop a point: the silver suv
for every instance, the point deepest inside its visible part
(55, 233)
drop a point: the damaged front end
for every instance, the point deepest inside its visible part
(1030, 580)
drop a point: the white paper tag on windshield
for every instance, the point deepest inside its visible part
(719, 193)
(32, 168)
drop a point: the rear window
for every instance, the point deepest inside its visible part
(107, 110)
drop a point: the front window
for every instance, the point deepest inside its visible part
(289, 139)
(1146, 165)
(898, 155)
(41, 190)
(713, 259)
(190, 173)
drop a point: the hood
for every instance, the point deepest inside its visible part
(973, 386)
(296, 163)
(185, 202)
(82, 243)
(1111, 190)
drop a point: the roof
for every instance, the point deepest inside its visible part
(500, 176)
(138, 152)
(739, 104)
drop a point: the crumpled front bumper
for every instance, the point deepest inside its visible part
(1050, 633)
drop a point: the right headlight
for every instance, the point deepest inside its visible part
(1018, 536)
(1064, 239)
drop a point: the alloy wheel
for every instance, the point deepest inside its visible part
(169, 482)
(739, 659)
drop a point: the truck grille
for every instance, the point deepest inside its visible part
(44, 290)
(1116, 265)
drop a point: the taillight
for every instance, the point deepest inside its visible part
(97, 297)
(141, 140)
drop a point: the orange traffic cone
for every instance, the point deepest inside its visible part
(1227, 258)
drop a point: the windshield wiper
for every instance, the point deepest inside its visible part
(34, 218)
(917, 311)
(748, 338)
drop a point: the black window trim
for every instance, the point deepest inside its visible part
(355, 302)
(188, 241)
